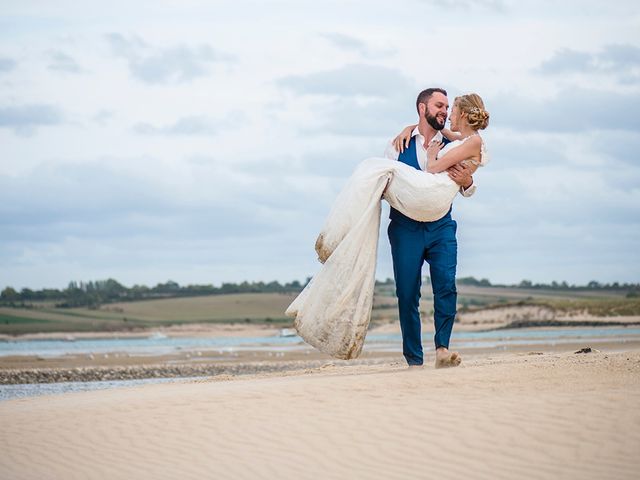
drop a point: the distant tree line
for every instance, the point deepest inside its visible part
(592, 285)
(632, 289)
(95, 293)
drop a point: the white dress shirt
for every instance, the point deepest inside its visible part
(421, 152)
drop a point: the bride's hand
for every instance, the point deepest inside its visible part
(404, 137)
(433, 149)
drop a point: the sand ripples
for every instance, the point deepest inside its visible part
(551, 416)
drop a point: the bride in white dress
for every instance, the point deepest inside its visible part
(332, 313)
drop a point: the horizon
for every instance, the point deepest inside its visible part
(465, 280)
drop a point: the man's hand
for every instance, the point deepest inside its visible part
(402, 140)
(461, 174)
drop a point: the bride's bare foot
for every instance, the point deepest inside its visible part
(446, 359)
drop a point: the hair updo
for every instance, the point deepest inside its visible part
(473, 106)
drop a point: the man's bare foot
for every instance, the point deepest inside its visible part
(446, 359)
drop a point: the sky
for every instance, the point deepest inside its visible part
(204, 141)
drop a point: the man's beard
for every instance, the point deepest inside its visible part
(433, 121)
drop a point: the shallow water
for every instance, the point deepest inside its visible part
(9, 392)
(152, 345)
(160, 345)
(503, 339)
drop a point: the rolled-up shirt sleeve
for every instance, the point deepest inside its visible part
(469, 191)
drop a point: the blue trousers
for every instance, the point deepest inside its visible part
(413, 243)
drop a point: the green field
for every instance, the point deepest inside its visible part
(261, 308)
(268, 308)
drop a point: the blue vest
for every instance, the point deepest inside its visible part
(410, 157)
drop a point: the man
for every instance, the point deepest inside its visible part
(414, 242)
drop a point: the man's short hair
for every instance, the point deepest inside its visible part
(423, 96)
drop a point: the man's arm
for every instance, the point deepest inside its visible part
(403, 138)
(462, 175)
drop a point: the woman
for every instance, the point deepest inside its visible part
(332, 313)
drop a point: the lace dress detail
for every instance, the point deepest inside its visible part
(484, 157)
(332, 312)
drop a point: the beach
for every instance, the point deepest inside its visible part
(205, 350)
(504, 415)
(192, 191)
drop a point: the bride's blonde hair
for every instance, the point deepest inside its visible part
(473, 106)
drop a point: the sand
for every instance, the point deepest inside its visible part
(559, 415)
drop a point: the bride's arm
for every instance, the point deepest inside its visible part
(467, 150)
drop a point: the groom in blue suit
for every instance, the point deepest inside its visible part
(413, 242)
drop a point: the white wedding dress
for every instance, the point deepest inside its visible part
(332, 312)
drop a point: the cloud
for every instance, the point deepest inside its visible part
(350, 43)
(567, 60)
(490, 5)
(545, 203)
(621, 56)
(621, 60)
(98, 200)
(61, 62)
(102, 117)
(620, 147)
(7, 64)
(551, 182)
(549, 215)
(572, 110)
(174, 65)
(25, 119)
(365, 100)
(192, 125)
(349, 80)
(209, 219)
(385, 117)
(203, 210)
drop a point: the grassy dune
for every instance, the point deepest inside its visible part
(213, 308)
(233, 308)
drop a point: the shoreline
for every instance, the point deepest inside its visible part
(474, 321)
(224, 351)
(18, 370)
